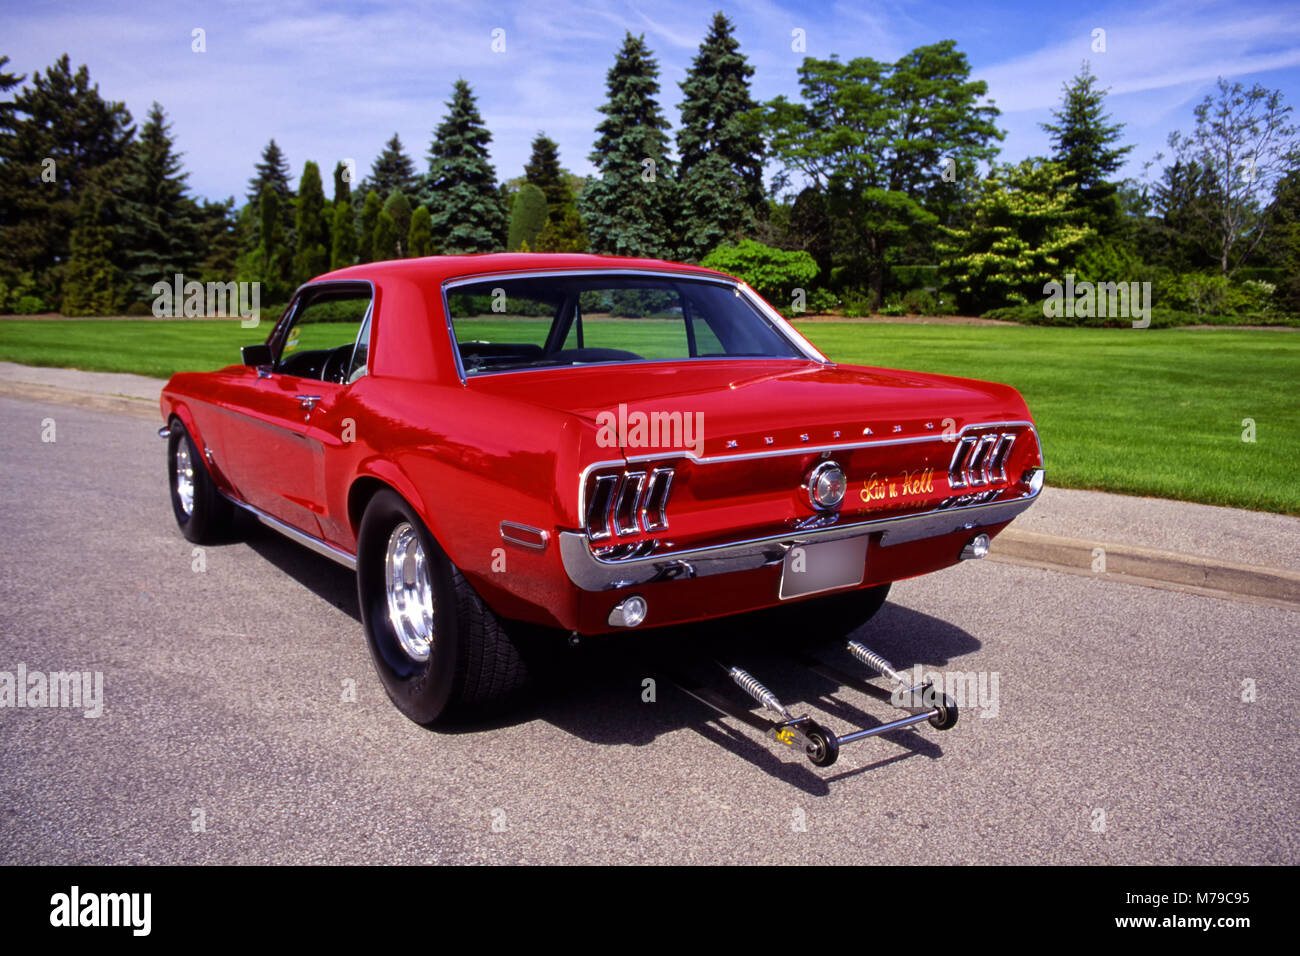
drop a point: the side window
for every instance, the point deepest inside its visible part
(321, 341)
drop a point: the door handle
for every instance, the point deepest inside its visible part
(307, 402)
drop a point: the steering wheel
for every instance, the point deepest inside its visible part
(334, 368)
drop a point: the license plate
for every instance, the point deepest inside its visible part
(811, 568)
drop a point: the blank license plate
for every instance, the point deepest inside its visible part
(810, 568)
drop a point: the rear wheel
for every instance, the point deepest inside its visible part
(203, 514)
(438, 648)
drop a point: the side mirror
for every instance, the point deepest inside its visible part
(257, 355)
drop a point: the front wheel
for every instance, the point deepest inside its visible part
(203, 514)
(437, 647)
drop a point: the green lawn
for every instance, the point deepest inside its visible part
(1141, 411)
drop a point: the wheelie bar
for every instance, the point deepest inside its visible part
(820, 744)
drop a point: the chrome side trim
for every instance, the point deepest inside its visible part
(592, 573)
(324, 548)
(513, 533)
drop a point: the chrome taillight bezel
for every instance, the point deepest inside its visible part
(627, 504)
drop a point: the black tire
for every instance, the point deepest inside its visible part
(947, 716)
(471, 660)
(211, 516)
(825, 749)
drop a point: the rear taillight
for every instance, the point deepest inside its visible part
(980, 459)
(631, 503)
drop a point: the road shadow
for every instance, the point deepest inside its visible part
(621, 689)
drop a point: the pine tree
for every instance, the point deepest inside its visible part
(721, 166)
(398, 208)
(369, 220)
(627, 210)
(311, 257)
(392, 169)
(460, 188)
(1083, 141)
(91, 281)
(274, 170)
(527, 217)
(58, 136)
(543, 171)
(158, 232)
(218, 240)
(344, 236)
(419, 241)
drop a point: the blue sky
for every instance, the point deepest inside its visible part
(331, 80)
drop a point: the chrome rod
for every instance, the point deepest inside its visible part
(886, 728)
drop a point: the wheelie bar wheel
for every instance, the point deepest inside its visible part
(947, 715)
(823, 748)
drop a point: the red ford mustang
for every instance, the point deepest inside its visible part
(583, 443)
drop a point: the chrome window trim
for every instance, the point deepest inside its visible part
(295, 306)
(783, 327)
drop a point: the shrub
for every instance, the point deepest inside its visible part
(772, 273)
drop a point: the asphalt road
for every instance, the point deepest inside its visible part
(1119, 735)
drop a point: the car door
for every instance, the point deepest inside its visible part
(274, 445)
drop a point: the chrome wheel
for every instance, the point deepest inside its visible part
(410, 592)
(185, 477)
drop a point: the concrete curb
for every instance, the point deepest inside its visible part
(117, 404)
(1124, 562)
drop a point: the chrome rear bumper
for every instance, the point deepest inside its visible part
(592, 573)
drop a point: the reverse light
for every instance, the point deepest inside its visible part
(629, 612)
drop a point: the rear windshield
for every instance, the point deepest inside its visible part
(547, 321)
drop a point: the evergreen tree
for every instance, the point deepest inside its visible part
(460, 187)
(392, 169)
(369, 220)
(419, 241)
(312, 256)
(344, 236)
(385, 241)
(273, 262)
(58, 136)
(273, 169)
(627, 211)
(158, 233)
(721, 165)
(1024, 229)
(543, 171)
(527, 217)
(218, 240)
(342, 185)
(91, 281)
(1083, 141)
(398, 208)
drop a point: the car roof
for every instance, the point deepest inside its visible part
(432, 271)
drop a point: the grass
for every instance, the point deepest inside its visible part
(1137, 411)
